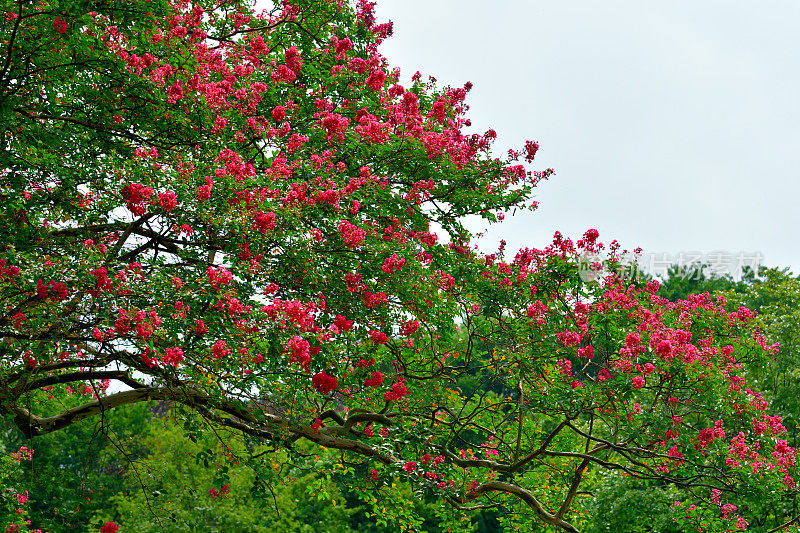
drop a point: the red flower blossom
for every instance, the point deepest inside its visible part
(293, 60)
(279, 113)
(167, 200)
(379, 337)
(60, 25)
(531, 148)
(352, 235)
(409, 327)
(393, 264)
(375, 380)
(220, 350)
(323, 383)
(136, 196)
(218, 277)
(299, 351)
(173, 356)
(398, 392)
(342, 324)
(586, 353)
(262, 222)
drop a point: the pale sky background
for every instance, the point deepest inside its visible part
(673, 126)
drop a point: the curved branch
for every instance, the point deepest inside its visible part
(33, 425)
(71, 377)
(524, 495)
(241, 418)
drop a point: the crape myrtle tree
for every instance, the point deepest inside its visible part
(246, 213)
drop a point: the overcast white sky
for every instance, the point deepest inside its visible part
(673, 126)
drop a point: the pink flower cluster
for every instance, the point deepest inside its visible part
(375, 380)
(23, 454)
(218, 277)
(323, 383)
(564, 367)
(168, 200)
(299, 351)
(60, 25)
(569, 338)
(223, 490)
(137, 196)
(409, 327)
(352, 235)
(379, 337)
(398, 392)
(220, 350)
(173, 356)
(393, 264)
(342, 325)
(56, 291)
(203, 192)
(263, 222)
(8, 273)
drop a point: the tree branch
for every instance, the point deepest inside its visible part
(524, 495)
